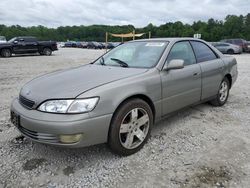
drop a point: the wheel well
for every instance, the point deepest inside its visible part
(229, 77)
(142, 97)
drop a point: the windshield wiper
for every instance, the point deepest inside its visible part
(122, 63)
(102, 61)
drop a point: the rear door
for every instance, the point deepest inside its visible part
(181, 87)
(211, 67)
(31, 44)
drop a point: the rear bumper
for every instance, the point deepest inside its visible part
(94, 130)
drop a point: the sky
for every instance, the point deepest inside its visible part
(54, 13)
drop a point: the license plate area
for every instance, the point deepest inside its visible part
(15, 119)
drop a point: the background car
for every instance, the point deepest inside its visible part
(248, 46)
(2, 39)
(94, 45)
(69, 44)
(60, 44)
(227, 48)
(84, 44)
(27, 45)
(79, 44)
(239, 42)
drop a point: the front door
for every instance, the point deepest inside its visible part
(19, 45)
(181, 87)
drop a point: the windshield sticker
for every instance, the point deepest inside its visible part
(155, 44)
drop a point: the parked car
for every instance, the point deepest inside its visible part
(2, 39)
(117, 98)
(109, 45)
(24, 45)
(239, 42)
(94, 45)
(84, 44)
(79, 45)
(60, 44)
(248, 46)
(227, 48)
(70, 44)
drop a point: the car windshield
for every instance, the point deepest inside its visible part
(134, 54)
(12, 40)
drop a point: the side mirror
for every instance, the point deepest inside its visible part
(15, 42)
(175, 64)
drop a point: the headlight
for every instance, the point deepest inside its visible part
(69, 106)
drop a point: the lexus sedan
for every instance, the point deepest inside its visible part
(120, 96)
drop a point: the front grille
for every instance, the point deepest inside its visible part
(45, 137)
(26, 102)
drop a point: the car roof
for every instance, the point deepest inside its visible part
(169, 39)
(25, 37)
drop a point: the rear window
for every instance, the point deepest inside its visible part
(31, 39)
(203, 52)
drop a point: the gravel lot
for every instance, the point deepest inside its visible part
(202, 146)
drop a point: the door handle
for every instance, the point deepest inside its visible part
(195, 74)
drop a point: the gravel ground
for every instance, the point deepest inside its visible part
(202, 146)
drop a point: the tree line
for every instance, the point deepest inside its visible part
(232, 26)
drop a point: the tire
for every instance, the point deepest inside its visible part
(6, 53)
(230, 51)
(47, 51)
(130, 127)
(223, 93)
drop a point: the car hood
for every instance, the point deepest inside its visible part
(71, 83)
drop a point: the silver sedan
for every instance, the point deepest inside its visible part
(119, 97)
(227, 48)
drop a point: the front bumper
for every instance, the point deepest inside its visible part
(47, 128)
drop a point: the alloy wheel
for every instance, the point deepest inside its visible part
(223, 92)
(134, 128)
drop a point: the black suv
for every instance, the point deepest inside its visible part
(24, 45)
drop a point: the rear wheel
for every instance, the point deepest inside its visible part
(47, 51)
(230, 51)
(5, 53)
(223, 93)
(130, 127)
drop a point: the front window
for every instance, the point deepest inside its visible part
(134, 54)
(182, 50)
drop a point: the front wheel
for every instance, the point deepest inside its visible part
(130, 127)
(5, 53)
(223, 93)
